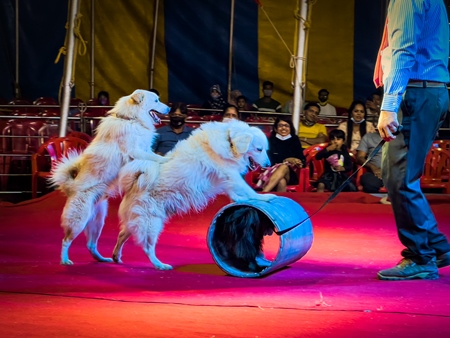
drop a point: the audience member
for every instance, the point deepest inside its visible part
(286, 155)
(168, 136)
(371, 180)
(338, 162)
(266, 103)
(216, 100)
(325, 107)
(311, 132)
(373, 105)
(230, 113)
(357, 126)
(234, 94)
(103, 98)
(153, 90)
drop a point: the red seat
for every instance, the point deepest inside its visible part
(436, 164)
(47, 156)
(45, 101)
(79, 134)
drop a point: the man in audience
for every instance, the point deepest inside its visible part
(310, 132)
(168, 136)
(325, 107)
(266, 103)
(373, 105)
(371, 181)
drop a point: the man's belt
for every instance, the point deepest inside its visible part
(426, 84)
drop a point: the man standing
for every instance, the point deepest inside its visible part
(415, 51)
(325, 107)
(168, 136)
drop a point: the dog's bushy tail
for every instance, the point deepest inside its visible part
(138, 174)
(64, 172)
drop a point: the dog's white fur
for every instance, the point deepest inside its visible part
(126, 134)
(210, 162)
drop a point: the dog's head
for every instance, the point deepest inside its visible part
(141, 105)
(249, 145)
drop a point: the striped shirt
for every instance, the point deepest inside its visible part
(418, 35)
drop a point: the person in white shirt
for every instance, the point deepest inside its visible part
(325, 107)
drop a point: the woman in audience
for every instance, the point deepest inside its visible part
(286, 155)
(357, 125)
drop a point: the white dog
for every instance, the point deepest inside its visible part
(126, 134)
(210, 162)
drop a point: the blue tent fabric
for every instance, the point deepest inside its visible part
(197, 48)
(41, 34)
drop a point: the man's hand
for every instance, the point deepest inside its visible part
(387, 125)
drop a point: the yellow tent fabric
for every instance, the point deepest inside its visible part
(330, 56)
(123, 37)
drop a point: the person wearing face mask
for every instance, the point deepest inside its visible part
(311, 132)
(168, 136)
(266, 103)
(230, 113)
(286, 155)
(326, 109)
(215, 101)
(357, 126)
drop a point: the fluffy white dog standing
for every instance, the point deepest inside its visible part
(126, 134)
(210, 162)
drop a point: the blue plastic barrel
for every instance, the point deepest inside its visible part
(282, 213)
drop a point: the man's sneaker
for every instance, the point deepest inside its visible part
(443, 260)
(407, 269)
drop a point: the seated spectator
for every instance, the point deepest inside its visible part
(373, 105)
(357, 126)
(286, 155)
(371, 180)
(337, 163)
(266, 103)
(216, 100)
(311, 132)
(234, 94)
(325, 107)
(168, 136)
(229, 113)
(103, 98)
(153, 90)
(242, 103)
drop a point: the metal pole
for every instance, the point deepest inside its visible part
(152, 58)
(298, 85)
(230, 53)
(68, 64)
(92, 82)
(16, 84)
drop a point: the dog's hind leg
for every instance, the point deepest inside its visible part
(76, 214)
(153, 226)
(94, 229)
(124, 234)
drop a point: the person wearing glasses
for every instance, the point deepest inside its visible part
(286, 156)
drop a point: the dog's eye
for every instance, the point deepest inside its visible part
(259, 149)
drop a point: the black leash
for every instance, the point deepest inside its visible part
(343, 185)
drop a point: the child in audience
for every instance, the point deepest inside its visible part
(337, 163)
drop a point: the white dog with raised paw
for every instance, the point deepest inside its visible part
(210, 162)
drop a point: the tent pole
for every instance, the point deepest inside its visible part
(230, 54)
(299, 87)
(16, 84)
(68, 64)
(92, 82)
(152, 58)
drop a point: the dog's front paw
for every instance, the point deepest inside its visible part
(163, 266)
(266, 197)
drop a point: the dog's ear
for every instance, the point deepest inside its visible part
(137, 98)
(241, 142)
